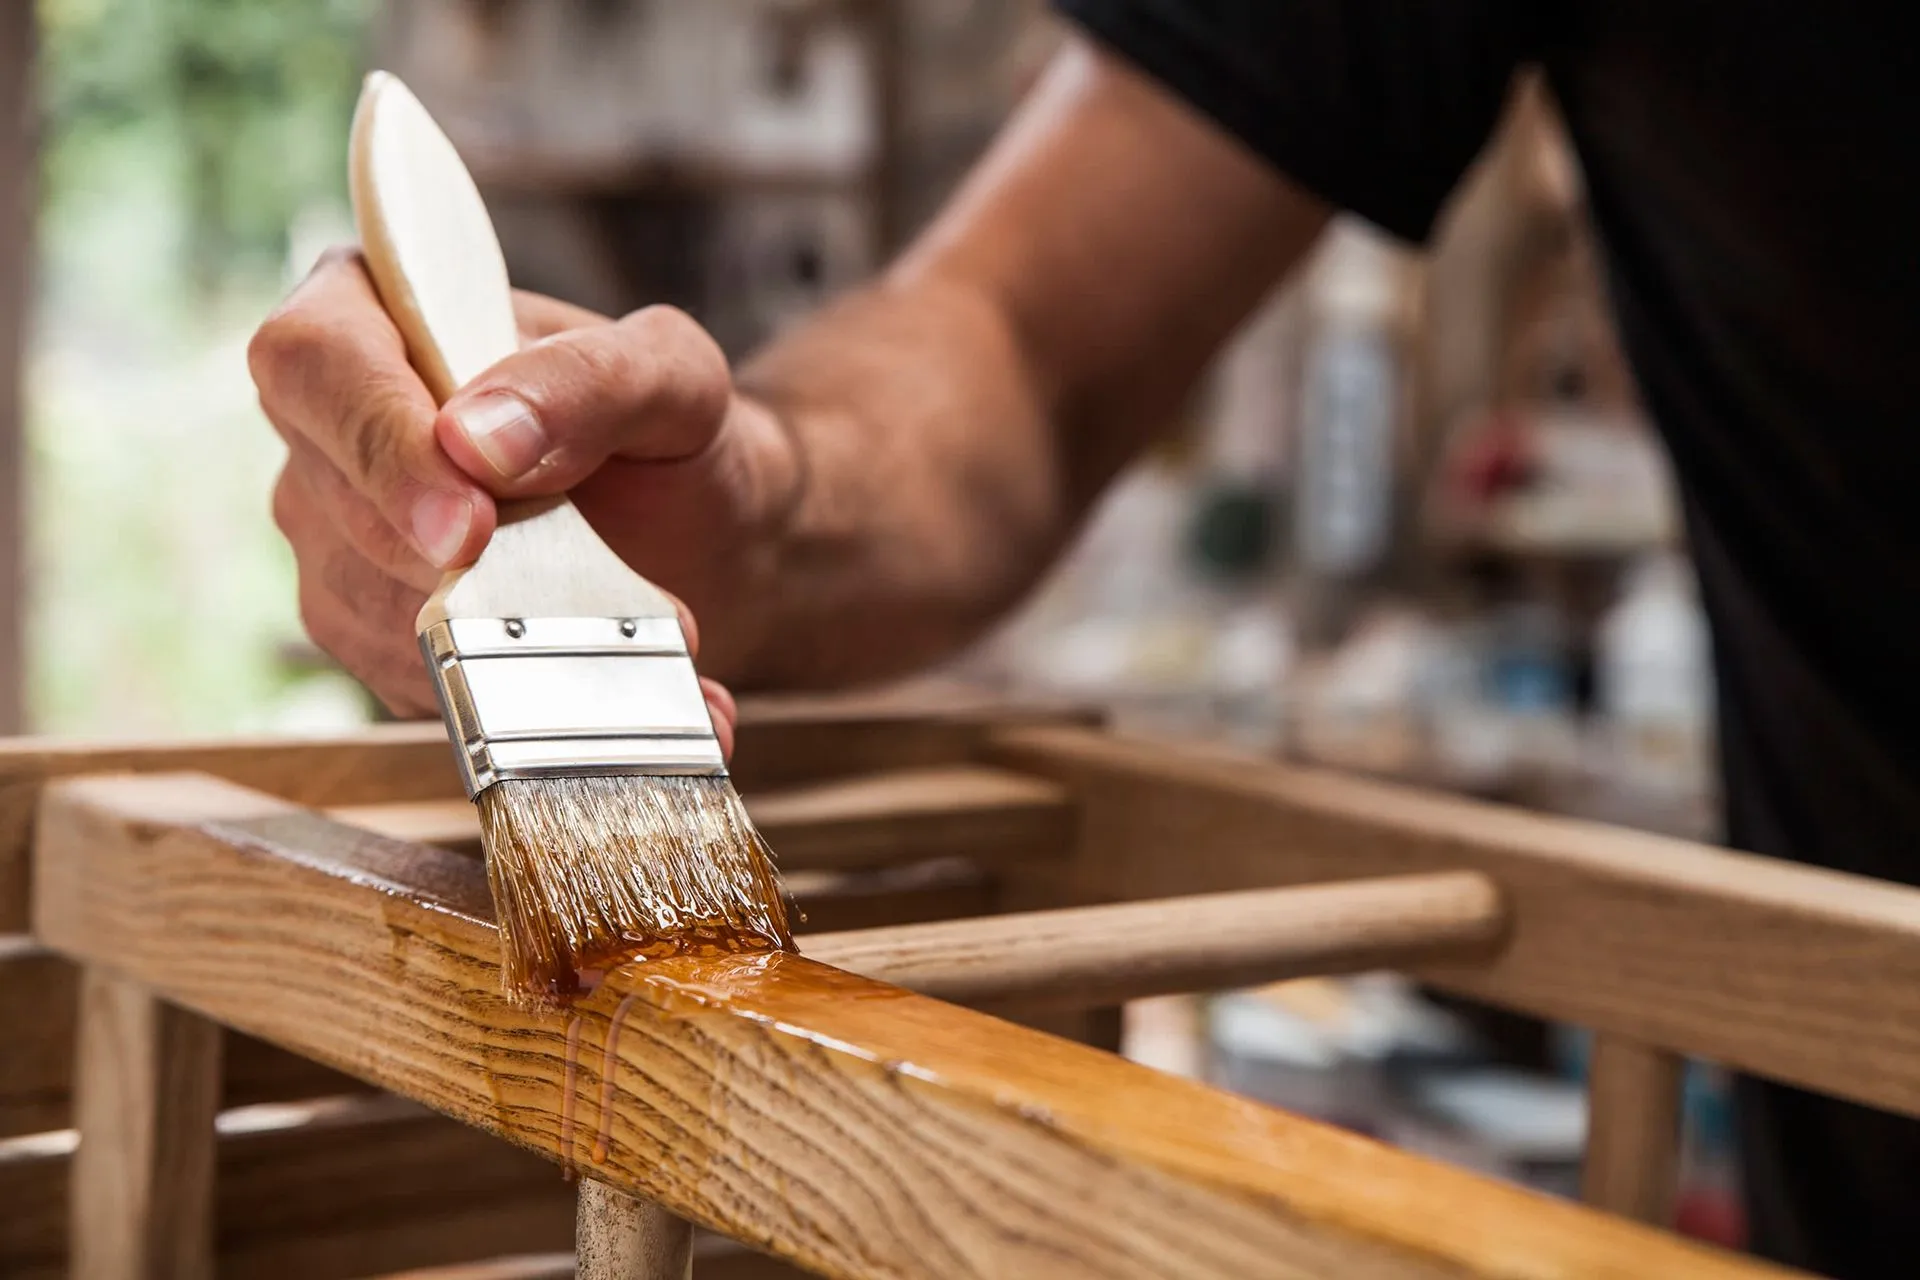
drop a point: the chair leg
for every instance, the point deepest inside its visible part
(1632, 1165)
(617, 1237)
(146, 1094)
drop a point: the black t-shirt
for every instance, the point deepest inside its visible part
(1750, 168)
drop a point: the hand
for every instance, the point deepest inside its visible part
(381, 492)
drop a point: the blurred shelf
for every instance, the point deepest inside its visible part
(533, 172)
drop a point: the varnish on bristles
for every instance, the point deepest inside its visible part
(589, 872)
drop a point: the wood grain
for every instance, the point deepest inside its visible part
(145, 1101)
(39, 993)
(329, 1189)
(873, 820)
(1799, 974)
(1632, 1161)
(1080, 957)
(854, 1127)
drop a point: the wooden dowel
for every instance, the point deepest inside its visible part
(1632, 1163)
(620, 1237)
(1083, 956)
(147, 1092)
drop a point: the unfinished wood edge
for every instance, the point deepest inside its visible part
(1632, 1162)
(1091, 956)
(621, 1237)
(146, 1097)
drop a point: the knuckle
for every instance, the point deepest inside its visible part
(276, 345)
(373, 432)
(322, 619)
(344, 254)
(671, 331)
(690, 368)
(286, 501)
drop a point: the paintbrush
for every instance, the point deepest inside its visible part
(610, 826)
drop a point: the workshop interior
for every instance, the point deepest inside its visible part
(1414, 532)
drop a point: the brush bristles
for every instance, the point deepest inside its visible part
(589, 872)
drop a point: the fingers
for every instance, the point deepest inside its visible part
(541, 317)
(354, 614)
(651, 387)
(332, 371)
(381, 492)
(314, 505)
(720, 706)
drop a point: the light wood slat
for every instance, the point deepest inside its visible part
(870, 821)
(389, 762)
(781, 742)
(147, 1095)
(1632, 1162)
(1804, 975)
(864, 1131)
(325, 1190)
(39, 991)
(1081, 957)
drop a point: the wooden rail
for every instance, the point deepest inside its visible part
(1085, 956)
(39, 993)
(860, 850)
(782, 743)
(859, 1129)
(876, 820)
(1803, 975)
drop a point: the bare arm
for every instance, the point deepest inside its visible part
(878, 484)
(960, 417)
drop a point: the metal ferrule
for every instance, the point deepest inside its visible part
(560, 697)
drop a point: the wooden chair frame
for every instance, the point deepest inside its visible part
(256, 922)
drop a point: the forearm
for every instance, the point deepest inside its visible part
(933, 486)
(952, 424)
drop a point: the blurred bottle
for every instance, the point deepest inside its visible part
(1710, 1203)
(1233, 545)
(1654, 681)
(1352, 429)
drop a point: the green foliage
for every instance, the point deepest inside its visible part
(236, 103)
(185, 140)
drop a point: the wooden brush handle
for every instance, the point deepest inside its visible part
(436, 263)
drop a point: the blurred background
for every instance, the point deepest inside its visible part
(1414, 524)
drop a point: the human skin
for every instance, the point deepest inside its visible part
(867, 493)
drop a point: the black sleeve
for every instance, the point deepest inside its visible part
(1378, 106)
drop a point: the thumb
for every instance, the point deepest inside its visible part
(650, 387)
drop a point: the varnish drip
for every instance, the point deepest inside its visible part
(606, 1078)
(567, 1169)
